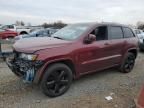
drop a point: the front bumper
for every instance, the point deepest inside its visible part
(24, 68)
(13, 67)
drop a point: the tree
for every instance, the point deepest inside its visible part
(19, 23)
(140, 25)
(29, 24)
(58, 24)
(45, 25)
(22, 23)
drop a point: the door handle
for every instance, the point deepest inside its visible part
(106, 43)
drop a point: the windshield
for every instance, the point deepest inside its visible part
(71, 32)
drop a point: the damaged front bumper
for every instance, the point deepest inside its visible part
(24, 68)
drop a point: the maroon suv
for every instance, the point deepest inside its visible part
(71, 52)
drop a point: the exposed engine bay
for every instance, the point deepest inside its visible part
(24, 68)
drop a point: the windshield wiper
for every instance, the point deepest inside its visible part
(58, 37)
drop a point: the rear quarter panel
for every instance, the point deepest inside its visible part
(130, 44)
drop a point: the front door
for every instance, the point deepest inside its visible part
(97, 55)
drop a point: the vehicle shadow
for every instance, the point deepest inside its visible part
(91, 82)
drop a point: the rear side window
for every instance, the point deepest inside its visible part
(11, 27)
(128, 32)
(115, 33)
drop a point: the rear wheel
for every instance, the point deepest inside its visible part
(22, 33)
(128, 63)
(56, 80)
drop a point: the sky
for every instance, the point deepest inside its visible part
(71, 11)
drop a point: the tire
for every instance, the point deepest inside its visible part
(56, 80)
(128, 64)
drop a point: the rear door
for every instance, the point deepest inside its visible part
(116, 36)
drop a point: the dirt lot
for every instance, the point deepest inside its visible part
(88, 92)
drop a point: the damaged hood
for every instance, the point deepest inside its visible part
(30, 45)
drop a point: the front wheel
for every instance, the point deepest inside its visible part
(56, 80)
(128, 64)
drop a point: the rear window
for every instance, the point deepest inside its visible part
(128, 32)
(115, 33)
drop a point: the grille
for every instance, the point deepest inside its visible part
(16, 54)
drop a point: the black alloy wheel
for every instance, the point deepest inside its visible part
(56, 80)
(128, 64)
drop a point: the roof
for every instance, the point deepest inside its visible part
(104, 23)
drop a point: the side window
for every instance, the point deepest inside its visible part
(45, 32)
(128, 32)
(11, 27)
(40, 33)
(5, 27)
(100, 33)
(37, 34)
(115, 33)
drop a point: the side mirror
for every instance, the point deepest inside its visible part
(90, 38)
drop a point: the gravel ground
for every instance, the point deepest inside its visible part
(87, 92)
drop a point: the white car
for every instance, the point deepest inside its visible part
(140, 35)
(20, 29)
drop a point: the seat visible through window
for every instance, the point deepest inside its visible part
(100, 33)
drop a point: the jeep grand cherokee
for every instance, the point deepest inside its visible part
(73, 51)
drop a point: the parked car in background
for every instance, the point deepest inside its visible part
(4, 34)
(73, 51)
(38, 33)
(140, 35)
(140, 102)
(20, 29)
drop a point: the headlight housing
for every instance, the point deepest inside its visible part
(31, 57)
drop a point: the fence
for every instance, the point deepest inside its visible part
(5, 53)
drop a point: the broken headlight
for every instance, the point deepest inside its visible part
(31, 57)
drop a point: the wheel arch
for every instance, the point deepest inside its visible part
(23, 32)
(41, 72)
(134, 51)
